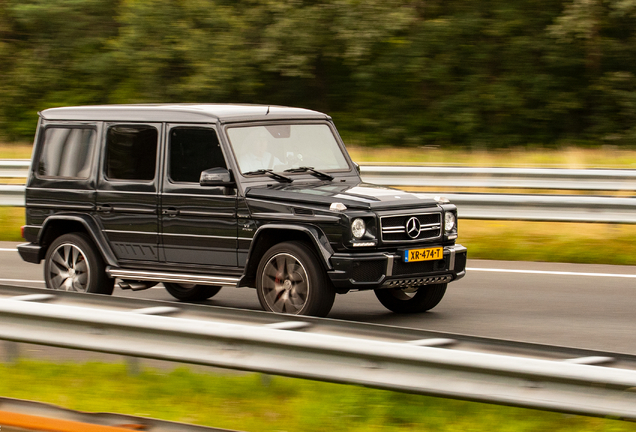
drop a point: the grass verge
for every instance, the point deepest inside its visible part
(11, 219)
(247, 403)
(15, 151)
(549, 241)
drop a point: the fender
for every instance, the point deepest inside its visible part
(91, 228)
(318, 239)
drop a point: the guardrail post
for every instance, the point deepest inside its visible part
(11, 352)
(133, 365)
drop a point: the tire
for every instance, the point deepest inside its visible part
(401, 301)
(290, 280)
(191, 292)
(73, 264)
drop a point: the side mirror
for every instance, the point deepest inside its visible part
(216, 177)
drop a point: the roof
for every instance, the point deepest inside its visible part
(196, 113)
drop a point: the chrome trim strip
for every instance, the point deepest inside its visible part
(198, 235)
(207, 214)
(201, 195)
(131, 232)
(61, 189)
(130, 210)
(172, 277)
(105, 191)
(389, 264)
(61, 206)
(451, 263)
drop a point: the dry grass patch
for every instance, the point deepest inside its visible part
(571, 157)
(15, 150)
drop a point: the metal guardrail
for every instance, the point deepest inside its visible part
(12, 195)
(502, 178)
(533, 207)
(14, 168)
(291, 346)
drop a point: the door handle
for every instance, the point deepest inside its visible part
(106, 208)
(170, 211)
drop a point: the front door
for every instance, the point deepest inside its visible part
(199, 227)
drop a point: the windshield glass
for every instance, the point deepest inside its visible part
(282, 147)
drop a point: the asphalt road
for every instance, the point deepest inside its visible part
(585, 306)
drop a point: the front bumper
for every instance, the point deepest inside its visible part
(362, 271)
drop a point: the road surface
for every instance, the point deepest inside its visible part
(584, 306)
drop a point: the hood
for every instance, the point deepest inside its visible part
(355, 196)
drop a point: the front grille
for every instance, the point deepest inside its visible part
(368, 271)
(394, 228)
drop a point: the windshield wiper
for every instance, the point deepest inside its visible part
(312, 171)
(270, 173)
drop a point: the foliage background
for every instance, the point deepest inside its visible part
(480, 74)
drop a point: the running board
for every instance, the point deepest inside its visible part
(144, 275)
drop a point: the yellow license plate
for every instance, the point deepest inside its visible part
(428, 254)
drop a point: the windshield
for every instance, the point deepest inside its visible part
(284, 147)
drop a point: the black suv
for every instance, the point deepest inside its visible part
(200, 197)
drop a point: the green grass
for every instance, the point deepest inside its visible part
(549, 241)
(11, 219)
(245, 403)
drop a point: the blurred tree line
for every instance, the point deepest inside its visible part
(481, 73)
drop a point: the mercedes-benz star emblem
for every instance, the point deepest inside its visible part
(413, 227)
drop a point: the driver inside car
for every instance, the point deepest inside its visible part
(256, 156)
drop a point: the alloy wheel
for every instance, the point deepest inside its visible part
(285, 284)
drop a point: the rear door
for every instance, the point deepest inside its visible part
(199, 227)
(127, 191)
(63, 178)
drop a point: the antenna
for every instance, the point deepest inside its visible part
(267, 110)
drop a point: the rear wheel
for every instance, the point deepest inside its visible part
(409, 300)
(191, 292)
(73, 264)
(291, 280)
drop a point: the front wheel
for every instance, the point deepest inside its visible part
(409, 300)
(191, 292)
(291, 280)
(72, 264)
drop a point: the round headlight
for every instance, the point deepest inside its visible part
(358, 228)
(449, 222)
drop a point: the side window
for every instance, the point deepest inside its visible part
(131, 152)
(193, 150)
(66, 152)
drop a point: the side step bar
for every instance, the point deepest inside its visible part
(145, 275)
